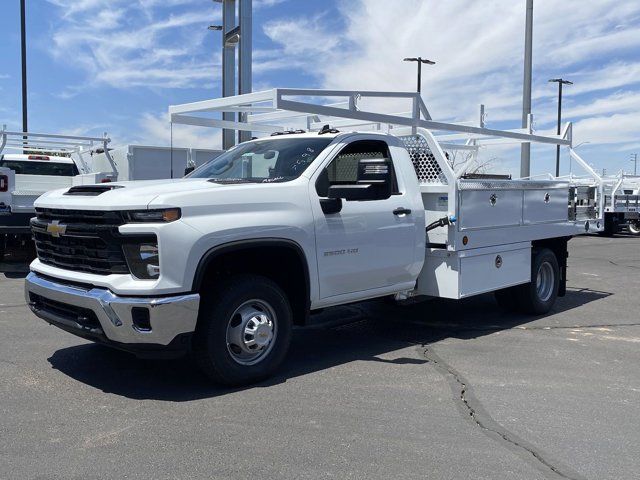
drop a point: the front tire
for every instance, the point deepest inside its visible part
(244, 331)
(634, 227)
(538, 296)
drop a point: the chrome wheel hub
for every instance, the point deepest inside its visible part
(545, 281)
(251, 332)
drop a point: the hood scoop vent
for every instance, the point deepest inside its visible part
(91, 190)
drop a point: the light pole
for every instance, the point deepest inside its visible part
(634, 159)
(525, 148)
(420, 61)
(560, 82)
(236, 33)
(23, 48)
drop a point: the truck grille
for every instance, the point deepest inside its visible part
(89, 243)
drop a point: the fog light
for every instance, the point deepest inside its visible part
(153, 271)
(143, 260)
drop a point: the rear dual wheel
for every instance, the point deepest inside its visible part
(538, 296)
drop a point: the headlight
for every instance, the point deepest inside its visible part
(143, 260)
(155, 216)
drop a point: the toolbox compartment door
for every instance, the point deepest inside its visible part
(490, 208)
(486, 272)
(456, 275)
(545, 206)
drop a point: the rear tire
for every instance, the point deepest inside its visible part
(538, 296)
(244, 330)
(634, 227)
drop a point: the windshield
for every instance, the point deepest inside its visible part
(263, 161)
(30, 167)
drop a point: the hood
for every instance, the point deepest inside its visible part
(119, 195)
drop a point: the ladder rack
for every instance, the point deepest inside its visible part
(54, 143)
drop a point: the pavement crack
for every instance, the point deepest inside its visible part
(470, 405)
(571, 327)
(12, 305)
(636, 267)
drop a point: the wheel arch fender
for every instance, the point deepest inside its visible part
(262, 256)
(559, 246)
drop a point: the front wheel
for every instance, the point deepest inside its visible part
(244, 331)
(539, 295)
(634, 227)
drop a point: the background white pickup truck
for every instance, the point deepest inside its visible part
(57, 161)
(226, 261)
(45, 162)
(23, 178)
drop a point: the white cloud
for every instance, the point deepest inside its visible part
(478, 47)
(257, 4)
(127, 44)
(156, 130)
(302, 37)
(618, 128)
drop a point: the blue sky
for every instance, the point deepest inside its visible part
(115, 66)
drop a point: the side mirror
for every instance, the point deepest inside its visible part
(374, 182)
(188, 170)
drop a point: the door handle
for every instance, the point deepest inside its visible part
(401, 211)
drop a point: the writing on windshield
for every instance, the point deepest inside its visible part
(271, 160)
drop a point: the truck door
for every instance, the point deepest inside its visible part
(368, 244)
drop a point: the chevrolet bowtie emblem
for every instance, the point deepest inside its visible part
(55, 229)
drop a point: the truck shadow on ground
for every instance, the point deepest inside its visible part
(15, 263)
(365, 331)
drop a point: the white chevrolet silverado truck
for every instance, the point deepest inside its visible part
(223, 263)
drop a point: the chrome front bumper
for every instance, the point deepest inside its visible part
(100, 315)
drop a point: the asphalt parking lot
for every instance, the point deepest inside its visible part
(441, 390)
